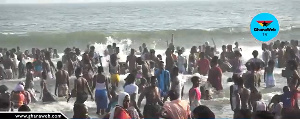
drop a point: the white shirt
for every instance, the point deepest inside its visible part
(131, 89)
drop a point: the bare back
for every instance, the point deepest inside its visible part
(62, 77)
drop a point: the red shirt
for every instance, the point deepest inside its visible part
(203, 66)
(215, 78)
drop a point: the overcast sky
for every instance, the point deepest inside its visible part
(71, 1)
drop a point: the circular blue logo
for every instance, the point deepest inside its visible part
(264, 27)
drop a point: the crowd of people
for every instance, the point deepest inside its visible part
(155, 79)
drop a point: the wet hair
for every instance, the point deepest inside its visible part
(130, 79)
(173, 95)
(44, 75)
(237, 53)
(59, 65)
(255, 53)
(24, 108)
(223, 46)
(202, 55)
(214, 60)
(194, 79)
(203, 112)
(153, 79)
(286, 89)
(271, 63)
(29, 65)
(263, 115)
(80, 109)
(78, 72)
(100, 69)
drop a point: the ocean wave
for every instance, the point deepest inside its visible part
(58, 39)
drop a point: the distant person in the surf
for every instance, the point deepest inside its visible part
(266, 56)
(176, 82)
(5, 97)
(256, 60)
(114, 69)
(163, 77)
(237, 48)
(268, 75)
(38, 67)
(15, 62)
(229, 54)
(26, 55)
(203, 64)
(195, 93)
(234, 93)
(81, 88)
(87, 75)
(55, 54)
(46, 68)
(254, 97)
(45, 95)
(62, 81)
(181, 62)
(8, 66)
(145, 69)
(244, 95)
(153, 100)
(169, 60)
(21, 67)
(29, 84)
(102, 93)
(154, 58)
(131, 60)
(215, 75)
(192, 61)
(281, 60)
(145, 55)
(236, 63)
(292, 75)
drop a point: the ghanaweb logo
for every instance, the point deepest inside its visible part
(264, 27)
(264, 24)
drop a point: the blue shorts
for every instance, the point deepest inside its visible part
(101, 99)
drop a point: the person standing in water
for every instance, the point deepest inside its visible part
(101, 93)
(169, 60)
(131, 61)
(234, 93)
(29, 84)
(62, 81)
(181, 62)
(243, 95)
(163, 77)
(269, 76)
(80, 87)
(176, 84)
(46, 96)
(120, 111)
(237, 63)
(194, 93)
(21, 67)
(114, 69)
(8, 66)
(203, 64)
(153, 100)
(215, 75)
(281, 60)
(38, 67)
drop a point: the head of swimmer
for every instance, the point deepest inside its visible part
(195, 81)
(153, 81)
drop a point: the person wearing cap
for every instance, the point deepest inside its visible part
(4, 98)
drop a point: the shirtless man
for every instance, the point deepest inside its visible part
(145, 69)
(131, 61)
(169, 60)
(153, 57)
(81, 88)
(8, 66)
(243, 95)
(254, 96)
(153, 101)
(62, 81)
